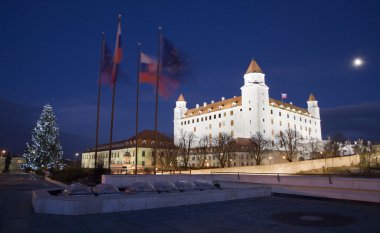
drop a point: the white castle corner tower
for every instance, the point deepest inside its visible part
(253, 111)
(255, 99)
(179, 111)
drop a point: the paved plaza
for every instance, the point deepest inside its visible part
(275, 214)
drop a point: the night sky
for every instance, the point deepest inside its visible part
(49, 53)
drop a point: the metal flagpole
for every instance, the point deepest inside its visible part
(99, 91)
(114, 80)
(137, 102)
(157, 87)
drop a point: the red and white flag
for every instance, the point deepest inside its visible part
(118, 52)
(284, 96)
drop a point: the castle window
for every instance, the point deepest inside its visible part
(143, 153)
(279, 113)
(305, 120)
(209, 126)
(220, 115)
(215, 116)
(263, 109)
(197, 119)
(272, 132)
(280, 123)
(188, 122)
(241, 110)
(181, 123)
(300, 119)
(209, 117)
(142, 163)
(263, 120)
(232, 133)
(231, 113)
(195, 129)
(249, 109)
(224, 114)
(288, 125)
(192, 121)
(201, 118)
(294, 117)
(271, 112)
(271, 121)
(220, 124)
(287, 115)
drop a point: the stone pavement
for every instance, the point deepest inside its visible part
(258, 215)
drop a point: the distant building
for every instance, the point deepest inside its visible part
(123, 156)
(253, 111)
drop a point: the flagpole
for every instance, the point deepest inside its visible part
(137, 102)
(114, 80)
(99, 91)
(157, 87)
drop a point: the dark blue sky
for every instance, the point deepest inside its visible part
(49, 53)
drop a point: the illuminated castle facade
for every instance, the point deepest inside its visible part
(253, 111)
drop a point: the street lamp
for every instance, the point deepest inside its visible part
(3, 153)
(76, 158)
(270, 159)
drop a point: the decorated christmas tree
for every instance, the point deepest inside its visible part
(45, 151)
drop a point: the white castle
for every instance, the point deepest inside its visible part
(253, 111)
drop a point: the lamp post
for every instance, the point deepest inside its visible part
(270, 159)
(76, 158)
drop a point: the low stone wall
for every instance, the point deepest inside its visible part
(126, 180)
(45, 203)
(290, 168)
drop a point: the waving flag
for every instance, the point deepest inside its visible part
(106, 65)
(148, 74)
(118, 53)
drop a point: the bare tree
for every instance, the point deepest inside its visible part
(288, 143)
(168, 157)
(203, 149)
(185, 142)
(223, 147)
(365, 149)
(313, 147)
(259, 147)
(335, 145)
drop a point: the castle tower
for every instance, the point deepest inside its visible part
(312, 107)
(255, 99)
(179, 111)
